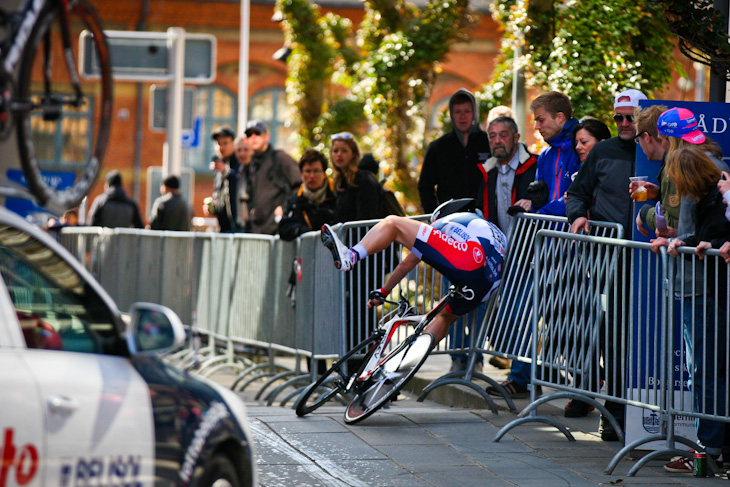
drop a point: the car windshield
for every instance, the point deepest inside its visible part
(56, 308)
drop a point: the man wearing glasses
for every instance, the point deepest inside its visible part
(600, 188)
(273, 177)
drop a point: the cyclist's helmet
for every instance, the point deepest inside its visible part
(463, 205)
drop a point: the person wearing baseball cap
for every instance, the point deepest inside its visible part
(600, 189)
(224, 137)
(274, 175)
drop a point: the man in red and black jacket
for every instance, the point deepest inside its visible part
(506, 175)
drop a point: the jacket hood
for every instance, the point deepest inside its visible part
(116, 193)
(475, 107)
(565, 135)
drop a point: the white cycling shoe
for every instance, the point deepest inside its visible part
(340, 253)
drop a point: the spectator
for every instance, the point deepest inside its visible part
(369, 163)
(554, 120)
(588, 133)
(556, 165)
(451, 165)
(222, 205)
(244, 154)
(667, 209)
(498, 111)
(313, 204)
(358, 192)
(600, 188)
(113, 209)
(273, 175)
(224, 145)
(506, 174)
(695, 176)
(170, 211)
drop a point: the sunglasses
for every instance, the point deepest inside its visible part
(251, 132)
(637, 137)
(618, 118)
(342, 136)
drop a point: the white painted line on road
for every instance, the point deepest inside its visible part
(319, 467)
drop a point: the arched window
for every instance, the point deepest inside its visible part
(270, 106)
(215, 105)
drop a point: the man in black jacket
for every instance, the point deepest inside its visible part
(170, 211)
(601, 190)
(273, 175)
(451, 165)
(114, 208)
(313, 204)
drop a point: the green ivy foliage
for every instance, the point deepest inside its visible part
(587, 49)
(383, 74)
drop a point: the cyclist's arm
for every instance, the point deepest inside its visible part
(396, 276)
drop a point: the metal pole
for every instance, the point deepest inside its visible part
(176, 48)
(718, 83)
(243, 66)
(518, 94)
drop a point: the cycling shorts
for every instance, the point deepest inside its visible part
(466, 262)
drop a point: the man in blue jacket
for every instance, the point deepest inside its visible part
(556, 168)
(558, 164)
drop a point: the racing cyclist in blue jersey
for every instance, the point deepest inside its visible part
(462, 246)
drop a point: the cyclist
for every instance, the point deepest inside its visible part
(460, 244)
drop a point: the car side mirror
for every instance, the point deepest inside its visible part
(153, 328)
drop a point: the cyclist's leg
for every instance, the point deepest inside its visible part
(391, 229)
(440, 325)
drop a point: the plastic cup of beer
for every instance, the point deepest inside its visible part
(641, 193)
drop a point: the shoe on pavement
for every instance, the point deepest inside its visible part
(607, 431)
(515, 390)
(457, 365)
(577, 409)
(686, 465)
(500, 363)
(340, 253)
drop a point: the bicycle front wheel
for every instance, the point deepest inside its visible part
(392, 375)
(334, 381)
(63, 123)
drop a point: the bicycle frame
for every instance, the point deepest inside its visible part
(388, 329)
(30, 11)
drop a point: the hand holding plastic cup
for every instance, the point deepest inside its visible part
(639, 193)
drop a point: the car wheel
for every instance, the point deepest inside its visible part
(220, 473)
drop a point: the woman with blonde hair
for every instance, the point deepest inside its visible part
(358, 191)
(695, 176)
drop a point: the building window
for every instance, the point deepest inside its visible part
(65, 144)
(215, 105)
(270, 106)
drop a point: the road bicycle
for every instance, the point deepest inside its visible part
(386, 367)
(60, 122)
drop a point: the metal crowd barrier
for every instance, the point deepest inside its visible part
(506, 328)
(605, 327)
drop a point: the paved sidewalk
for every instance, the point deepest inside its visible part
(432, 444)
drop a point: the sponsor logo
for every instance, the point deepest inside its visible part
(424, 231)
(460, 246)
(478, 255)
(115, 470)
(650, 421)
(214, 415)
(20, 463)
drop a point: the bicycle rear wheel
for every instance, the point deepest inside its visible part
(386, 382)
(334, 381)
(63, 124)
